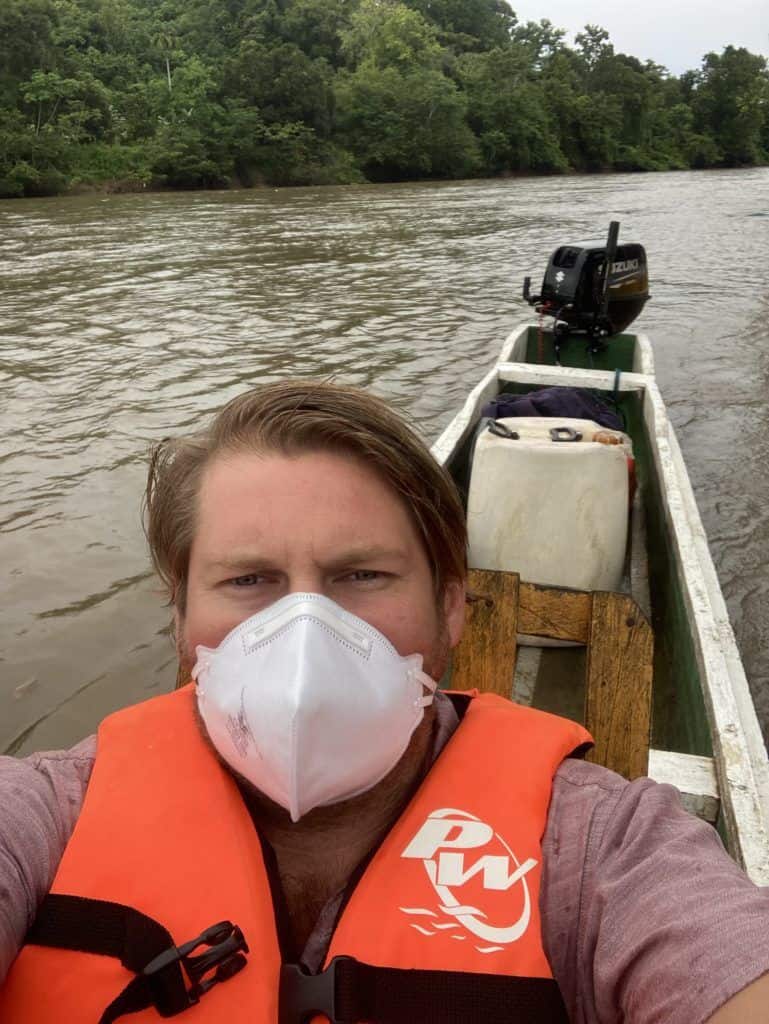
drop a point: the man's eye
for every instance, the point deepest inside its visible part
(249, 580)
(364, 575)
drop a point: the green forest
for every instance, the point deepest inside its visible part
(131, 94)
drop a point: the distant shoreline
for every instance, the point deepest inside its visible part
(115, 187)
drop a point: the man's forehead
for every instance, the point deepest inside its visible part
(256, 505)
(272, 473)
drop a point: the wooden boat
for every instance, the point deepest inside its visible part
(705, 736)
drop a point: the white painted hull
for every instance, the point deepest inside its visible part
(738, 774)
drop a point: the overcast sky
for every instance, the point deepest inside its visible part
(676, 33)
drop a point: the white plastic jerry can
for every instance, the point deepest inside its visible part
(550, 502)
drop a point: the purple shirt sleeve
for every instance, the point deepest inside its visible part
(645, 916)
(40, 800)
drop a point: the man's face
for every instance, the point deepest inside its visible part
(321, 523)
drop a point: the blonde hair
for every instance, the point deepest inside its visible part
(292, 417)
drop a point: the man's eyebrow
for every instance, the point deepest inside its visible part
(361, 555)
(246, 561)
(240, 562)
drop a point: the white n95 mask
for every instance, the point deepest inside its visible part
(309, 703)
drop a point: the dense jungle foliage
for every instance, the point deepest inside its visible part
(207, 93)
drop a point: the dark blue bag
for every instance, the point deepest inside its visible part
(563, 403)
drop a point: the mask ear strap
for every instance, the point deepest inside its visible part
(202, 661)
(429, 684)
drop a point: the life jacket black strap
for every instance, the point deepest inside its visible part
(172, 979)
(349, 991)
(168, 977)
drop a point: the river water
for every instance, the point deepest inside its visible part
(127, 318)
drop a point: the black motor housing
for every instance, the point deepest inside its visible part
(576, 292)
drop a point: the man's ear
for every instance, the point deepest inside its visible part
(454, 609)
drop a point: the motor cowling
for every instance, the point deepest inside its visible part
(577, 291)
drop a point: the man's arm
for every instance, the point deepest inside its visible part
(40, 801)
(646, 918)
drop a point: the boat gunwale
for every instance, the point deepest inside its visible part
(740, 757)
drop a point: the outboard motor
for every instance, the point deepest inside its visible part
(596, 289)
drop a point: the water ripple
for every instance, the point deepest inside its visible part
(127, 318)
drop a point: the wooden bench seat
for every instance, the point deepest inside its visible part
(620, 649)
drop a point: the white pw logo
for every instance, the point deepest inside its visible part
(436, 844)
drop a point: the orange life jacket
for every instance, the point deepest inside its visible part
(164, 830)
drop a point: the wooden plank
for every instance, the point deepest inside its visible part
(694, 777)
(619, 684)
(554, 613)
(485, 657)
(599, 380)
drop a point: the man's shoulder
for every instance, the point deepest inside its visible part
(85, 750)
(607, 801)
(574, 772)
(57, 778)
(41, 796)
(626, 928)
(597, 817)
(584, 797)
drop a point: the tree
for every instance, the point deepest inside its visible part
(283, 83)
(404, 124)
(397, 112)
(469, 24)
(316, 27)
(208, 92)
(165, 42)
(45, 91)
(26, 43)
(593, 46)
(390, 36)
(541, 39)
(508, 113)
(30, 163)
(731, 104)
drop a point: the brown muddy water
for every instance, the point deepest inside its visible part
(127, 318)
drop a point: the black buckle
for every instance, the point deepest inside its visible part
(224, 956)
(502, 430)
(304, 995)
(564, 434)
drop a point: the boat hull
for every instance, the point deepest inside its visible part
(706, 738)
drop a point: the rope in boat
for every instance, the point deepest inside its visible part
(541, 333)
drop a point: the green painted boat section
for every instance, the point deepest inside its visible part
(617, 355)
(679, 721)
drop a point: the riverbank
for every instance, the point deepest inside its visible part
(315, 93)
(135, 186)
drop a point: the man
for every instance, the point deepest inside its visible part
(313, 790)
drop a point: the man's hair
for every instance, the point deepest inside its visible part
(291, 418)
